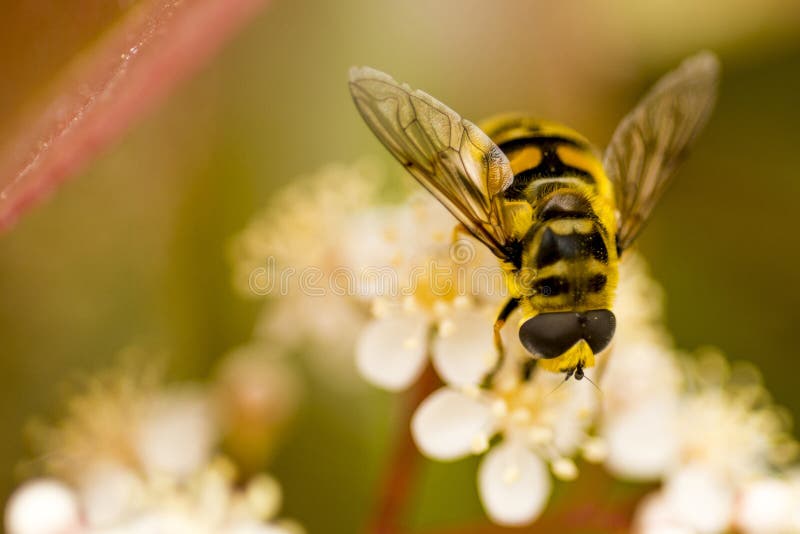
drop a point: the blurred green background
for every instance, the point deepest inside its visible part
(133, 251)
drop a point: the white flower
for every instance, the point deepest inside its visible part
(641, 383)
(705, 428)
(156, 469)
(433, 298)
(328, 325)
(449, 424)
(42, 506)
(464, 348)
(639, 371)
(304, 223)
(642, 441)
(700, 498)
(391, 351)
(175, 433)
(514, 484)
(769, 506)
(291, 252)
(394, 347)
(540, 423)
(638, 305)
(694, 500)
(207, 502)
(375, 267)
(653, 516)
(109, 491)
(730, 429)
(414, 295)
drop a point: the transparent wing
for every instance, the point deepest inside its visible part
(652, 140)
(450, 156)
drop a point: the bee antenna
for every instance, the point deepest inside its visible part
(593, 383)
(559, 386)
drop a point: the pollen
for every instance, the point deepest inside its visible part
(511, 474)
(447, 328)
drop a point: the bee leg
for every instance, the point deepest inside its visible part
(507, 310)
(528, 367)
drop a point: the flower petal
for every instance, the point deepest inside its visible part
(464, 351)
(637, 372)
(642, 443)
(700, 499)
(653, 516)
(176, 434)
(391, 350)
(449, 425)
(766, 507)
(42, 505)
(108, 492)
(514, 484)
(159, 520)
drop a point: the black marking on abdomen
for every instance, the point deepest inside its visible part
(566, 206)
(554, 247)
(540, 141)
(552, 286)
(596, 283)
(550, 166)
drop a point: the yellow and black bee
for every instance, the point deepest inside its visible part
(540, 197)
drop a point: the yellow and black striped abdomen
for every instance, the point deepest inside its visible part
(569, 240)
(543, 153)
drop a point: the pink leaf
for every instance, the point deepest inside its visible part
(124, 74)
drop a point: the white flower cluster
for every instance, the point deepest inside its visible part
(436, 311)
(707, 431)
(304, 227)
(135, 457)
(431, 309)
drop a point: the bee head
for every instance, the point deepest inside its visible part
(551, 335)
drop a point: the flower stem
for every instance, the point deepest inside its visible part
(580, 517)
(402, 465)
(103, 91)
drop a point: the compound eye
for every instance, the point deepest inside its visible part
(549, 335)
(598, 328)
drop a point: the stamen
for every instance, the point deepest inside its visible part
(565, 469)
(480, 443)
(595, 450)
(499, 408)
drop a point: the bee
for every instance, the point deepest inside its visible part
(557, 214)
